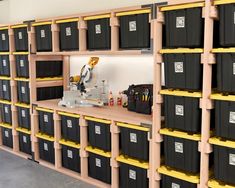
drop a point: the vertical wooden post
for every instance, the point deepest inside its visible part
(32, 40)
(55, 37)
(34, 131)
(114, 23)
(32, 76)
(82, 34)
(84, 144)
(115, 153)
(66, 71)
(11, 39)
(206, 103)
(57, 146)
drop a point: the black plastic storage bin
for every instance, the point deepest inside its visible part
(21, 39)
(46, 150)
(225, 119)
(182, 113)
(23, 92)
(171, 182)
(7, 139)
(69, 33)
(6, 113)
(99, 34)
(71, 158)
(46, 93)
(132, 176)
(22, 66)
(5, 90)
(182, 154)
(49, 69)
(184, 27)
(134, 31)
(4, 65)
(99, 167)
(224, 164)
(43, 38)
(226, 72)
(24, 117)
(25, 143)
(70, 129)
(99, 135)
(134, 143)
(4, 40)
(183, 71)
(226, 24)
(46, 122)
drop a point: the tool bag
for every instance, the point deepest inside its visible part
(140, 98)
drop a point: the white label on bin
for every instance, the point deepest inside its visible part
(23, 89)
(6, 133)
(69, 123)
(98, 162)
(21, 63)
(45, 117)
(3, 36)
(70, 154)
(232, 159)
(4, 62)
(132, 26)
(20, 35)
(179, 147)
(68, 31)
(4, 87)
(24, 139)
(133, 137)
(174, 185)
(179, 110)
(45, 146)
(23, 113)
(232, 117)
(180, 22)
(97, 29)
(179, 67)
(6, 110)
(43, 34)
(97, 129)
(132, 174)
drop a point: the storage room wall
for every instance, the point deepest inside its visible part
(120, 71)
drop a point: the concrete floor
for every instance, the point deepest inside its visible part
(21, 173)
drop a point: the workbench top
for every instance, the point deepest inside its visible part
(115, 113)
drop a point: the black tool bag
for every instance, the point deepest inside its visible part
(140, 98)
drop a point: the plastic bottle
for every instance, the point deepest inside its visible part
(111, 100)
(119, 99)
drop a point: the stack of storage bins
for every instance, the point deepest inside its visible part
(46, 134)
(70, 141)
(224, 140)
(184, 27)
(99, 139)
(134, 158)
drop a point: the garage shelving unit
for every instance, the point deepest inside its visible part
(117, 117)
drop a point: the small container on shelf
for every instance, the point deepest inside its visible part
(181, 150)
(43, 36)
(46, 93)
(133, 173)
(6, 115)
(98, 32)
(182, 110)
(99, 135)
(49, 69)
(24, 140)
(5, 88)
(22, 66)
(21, 37)
(7, 139)
(184, 27)
(70, 129)
(46, 121)
(134, 141)
(134, 29)
(99, 164)
(70, 155)
(4, 65)
(46, 148)
(69, 34)
(23, 112)
(4, 39)
(23, 91)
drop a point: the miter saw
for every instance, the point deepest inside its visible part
(83, 89)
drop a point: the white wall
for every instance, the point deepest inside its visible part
(4, 12)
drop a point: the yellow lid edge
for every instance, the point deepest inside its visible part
(180, 93)
(22, 105)
(45, 137)
(5, 102)
(217, 141)
(70, 143)
(4, 28)
(44, 109)
(222, 2)
(67, 20)
(133, 162)
(216, 184)
(182, 6)
(98, 151)
(41, 23)
(69, 114)
(97, 17)
(219, 96)
(97, 120)
(181, 50)
(5, 78)
(131, 126)
(6, 125)
(19, 26)
(23, 130)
